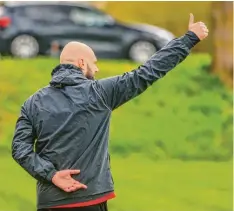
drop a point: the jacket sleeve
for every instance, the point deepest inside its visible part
(117, 90)
(23, 150)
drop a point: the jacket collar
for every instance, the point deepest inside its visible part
(66, 75)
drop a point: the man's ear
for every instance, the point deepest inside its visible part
(81, 63)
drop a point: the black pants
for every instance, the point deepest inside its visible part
(97, 207)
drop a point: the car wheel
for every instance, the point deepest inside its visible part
(24, 46)
(141, 51)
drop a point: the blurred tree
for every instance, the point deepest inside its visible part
(171, 15)
(222, 32)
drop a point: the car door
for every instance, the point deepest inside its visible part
(93, 28)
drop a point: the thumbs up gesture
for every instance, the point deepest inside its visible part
(199, 28)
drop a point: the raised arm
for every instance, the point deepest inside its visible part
(117, 90)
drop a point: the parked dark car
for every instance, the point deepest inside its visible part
(29, 29)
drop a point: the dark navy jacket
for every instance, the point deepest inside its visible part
(68, 121)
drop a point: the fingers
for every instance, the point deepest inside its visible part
(203, 26)
(70, 189)
(191, 19)
(205, 30)
(65, 181)
(82, 186)
(76, 186)
(205, 34)
(72, 185)
(79, 185)
(202, 23)
(74, 171)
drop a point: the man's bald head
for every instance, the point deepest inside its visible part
(80, 55)
(74, 51)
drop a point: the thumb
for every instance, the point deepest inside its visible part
(191, 19)
(74, 171)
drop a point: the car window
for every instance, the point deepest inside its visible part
(49, 14)
(88, 17)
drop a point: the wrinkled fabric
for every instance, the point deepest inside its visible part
(68, 121)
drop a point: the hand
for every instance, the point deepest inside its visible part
(199, 28)
(63, 180)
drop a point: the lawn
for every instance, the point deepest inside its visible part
(141, 185)
(171, 147)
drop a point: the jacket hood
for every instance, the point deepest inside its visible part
(66, 75)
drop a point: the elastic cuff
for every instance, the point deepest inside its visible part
(51, 175)
(191, 39)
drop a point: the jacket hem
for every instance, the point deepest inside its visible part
(73, 200)
(99, 200)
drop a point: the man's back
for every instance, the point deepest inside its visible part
(71, 124)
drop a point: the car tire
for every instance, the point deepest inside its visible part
(24, 46)
(141, 51)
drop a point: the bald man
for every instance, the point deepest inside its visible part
(70, 120)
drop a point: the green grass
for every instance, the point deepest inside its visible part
(171, 147)
(172, 186)
(141, 184)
